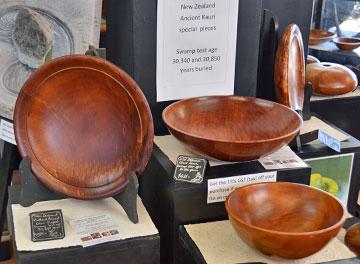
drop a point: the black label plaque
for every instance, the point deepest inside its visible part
(190, 169)
(47, 225)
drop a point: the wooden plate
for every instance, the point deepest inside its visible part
(232, 127)
(85, 125)
(290, 69)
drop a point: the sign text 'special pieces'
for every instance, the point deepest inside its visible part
(47, 225)
(190, 169)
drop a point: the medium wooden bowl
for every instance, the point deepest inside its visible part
(331, 78)
(318, 36)
(347, 43)
(85, 125)
(232, 128)
(285, 219)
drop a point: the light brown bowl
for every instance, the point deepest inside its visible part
(85, 124)
(347, 43)
(331, 78)
(318, 36)
(232, 127)
(311, 59)
(284, 219)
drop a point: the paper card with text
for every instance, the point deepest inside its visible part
(95, 230)
(7, 131)
(220, 188)
(284, 158)
(196, 48)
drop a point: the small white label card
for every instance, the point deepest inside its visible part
(284, 158)
(329, 141)
(95, 230)
(7, 131)
(220, 188)
(196, 48)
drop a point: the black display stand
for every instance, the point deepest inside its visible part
(33, 191)
(137, 250)
(192, 254)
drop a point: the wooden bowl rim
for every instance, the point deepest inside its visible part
(168, 108)
(336, 225)
(339, 40)
(329, 34)
(111, 188)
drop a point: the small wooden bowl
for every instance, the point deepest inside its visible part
(85, 124)
(331, 78)
(347, 43)
(232, 128)
(311, 59)
(285, 219)
(318, 36)
(352, 239)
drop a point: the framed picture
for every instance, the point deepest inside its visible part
(35, 31)
(333, 174)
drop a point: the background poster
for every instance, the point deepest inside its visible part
(332, 174)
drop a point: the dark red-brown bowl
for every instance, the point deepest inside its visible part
(318, 36)
(232, 128)
(347, 43)
(285, 219)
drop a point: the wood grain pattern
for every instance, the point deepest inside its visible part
(85, 125)
(331, 78)
(318, 36)
(352, 239)
(347, 43)
(289, 74)
(232, 127)
(285, 219)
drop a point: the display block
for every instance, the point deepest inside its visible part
(223, 245)
(139, 249)
(171, 203)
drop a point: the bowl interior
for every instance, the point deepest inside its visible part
(231, 118)
(284, 207)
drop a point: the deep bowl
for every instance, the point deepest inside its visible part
(284, 219)
(232, 128)
(318, 36)
(347, 43)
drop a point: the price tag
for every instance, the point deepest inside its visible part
(329, 141)
(220, 188)
(47, 225)
(7, 132)
(190, 169)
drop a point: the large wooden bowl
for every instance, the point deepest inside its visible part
(331, 78)
(232, 128)
(85, 125)
(319, 36)
(285, 219)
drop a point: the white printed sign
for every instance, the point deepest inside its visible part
(196, 48)
(284, 158)
(220, 188)
(7, 131)
(95, 229)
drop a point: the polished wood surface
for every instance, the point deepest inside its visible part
(347, 43)
(289, 72)
(232, 127)
(318, 36)
(330, 78)
(284, 219)
(85, 125)
(352, 239)
(311, 59)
